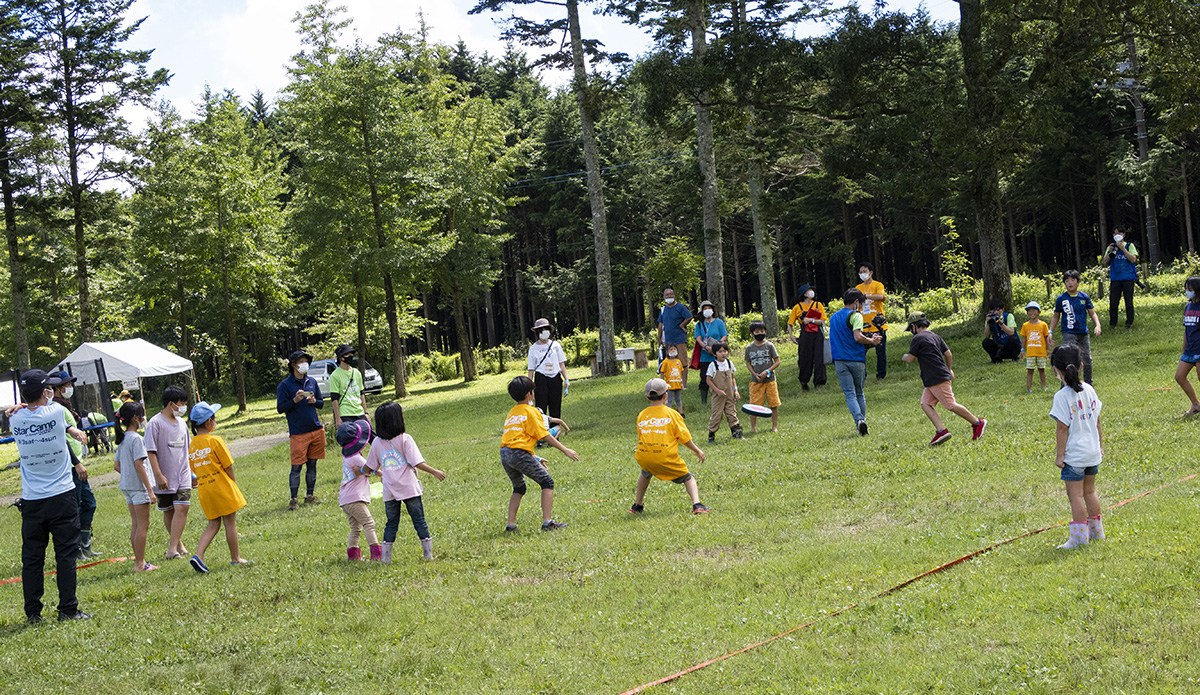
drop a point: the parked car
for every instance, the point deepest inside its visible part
(321, 369)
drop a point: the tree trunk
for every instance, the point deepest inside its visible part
(762, 248)
(185, 347)
(606, 358)
(393, 316)
(490, 315)
(360, 316)
(71, 127)
(16, 270)
(1012, 238)
(1187, 205)
(1036, 239)
(466, 351)
(984, 176)
(737, 272)
(714, 262)
(235, 340)
(1075, 227)
(1100, 201)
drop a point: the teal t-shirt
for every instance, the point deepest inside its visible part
(348, 385)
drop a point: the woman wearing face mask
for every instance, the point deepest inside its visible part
(1121, 259)
(710, 330)
(547, 365)
(810, 339)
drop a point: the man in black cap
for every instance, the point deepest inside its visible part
(346, 388)
(48, 503)
(298, 397)
(83, 490)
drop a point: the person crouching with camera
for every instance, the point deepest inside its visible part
(1000, 339)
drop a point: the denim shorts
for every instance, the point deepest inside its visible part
(1190, 359)
(1073, 474)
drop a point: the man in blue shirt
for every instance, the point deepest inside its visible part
(298, 397)
(48, 505)
(1121, 259)
(673, 319)
(849, 344)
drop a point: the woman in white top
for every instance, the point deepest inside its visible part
(547, 365)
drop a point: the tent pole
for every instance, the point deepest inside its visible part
(195, 387)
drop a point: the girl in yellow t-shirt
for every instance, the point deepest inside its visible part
(219, 495)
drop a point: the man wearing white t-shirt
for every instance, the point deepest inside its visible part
(48, 505)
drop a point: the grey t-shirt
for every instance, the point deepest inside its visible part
(131, 453)
(169, 442)
(760, 358)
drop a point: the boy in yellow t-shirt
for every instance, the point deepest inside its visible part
(660, 432)
(671, 370)
(523, 429)
(1035, 339)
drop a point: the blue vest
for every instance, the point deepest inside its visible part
(841, 339)
(1121, 268)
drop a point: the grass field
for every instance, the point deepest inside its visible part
(804, 522)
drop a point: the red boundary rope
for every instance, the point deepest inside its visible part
(17, 580)
(885, 592)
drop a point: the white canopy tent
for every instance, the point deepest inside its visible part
(125, 361)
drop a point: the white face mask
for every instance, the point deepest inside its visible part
(544, 335)
(180, 411)
(708, 313)
(809, 294)
(302, 368)
(68, 392)
(673, 354)
(864, 276)
(1189, 294)
(670, 300)
(1118, 237)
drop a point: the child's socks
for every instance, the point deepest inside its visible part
(376, 553)
(354, 554)
(386, 554)
(1077, 537)
(427, 548)
(1095, 528)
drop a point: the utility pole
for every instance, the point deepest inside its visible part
(1139, 114)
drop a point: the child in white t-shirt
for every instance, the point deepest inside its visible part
(354, 495)
(1079, 444)
(724, 390)
(133, 463)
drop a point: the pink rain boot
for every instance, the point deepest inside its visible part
(1078, 537)
(1095, 528)
(376, 553)
(353, 554)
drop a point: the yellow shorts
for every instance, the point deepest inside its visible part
(768, 391)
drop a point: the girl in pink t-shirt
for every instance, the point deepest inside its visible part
(354, 496)
(395, 455)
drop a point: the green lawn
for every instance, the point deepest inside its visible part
(804, 522)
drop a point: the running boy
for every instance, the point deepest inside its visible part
(671, 370)
(660, 432)
(725, 394)
(1074, 308)
(762, 359)
(1035, 338)
(933, 355)
(523, 428)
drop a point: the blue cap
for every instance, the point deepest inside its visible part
(202, 411)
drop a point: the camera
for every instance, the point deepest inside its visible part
(878, 321)
(993, 317)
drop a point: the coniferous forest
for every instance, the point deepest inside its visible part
(416, 199)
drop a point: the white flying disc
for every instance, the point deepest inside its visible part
(759, 410)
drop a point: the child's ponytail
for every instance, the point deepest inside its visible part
(129, 410)
(1067, 360)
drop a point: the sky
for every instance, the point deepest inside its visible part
(246, 45)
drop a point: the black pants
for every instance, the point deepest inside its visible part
(811, 358)
(1118, 289)
(547, 393)
(880, 353)
(704, 381)
(1008, 351)
(86, 499)
(56, 516)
